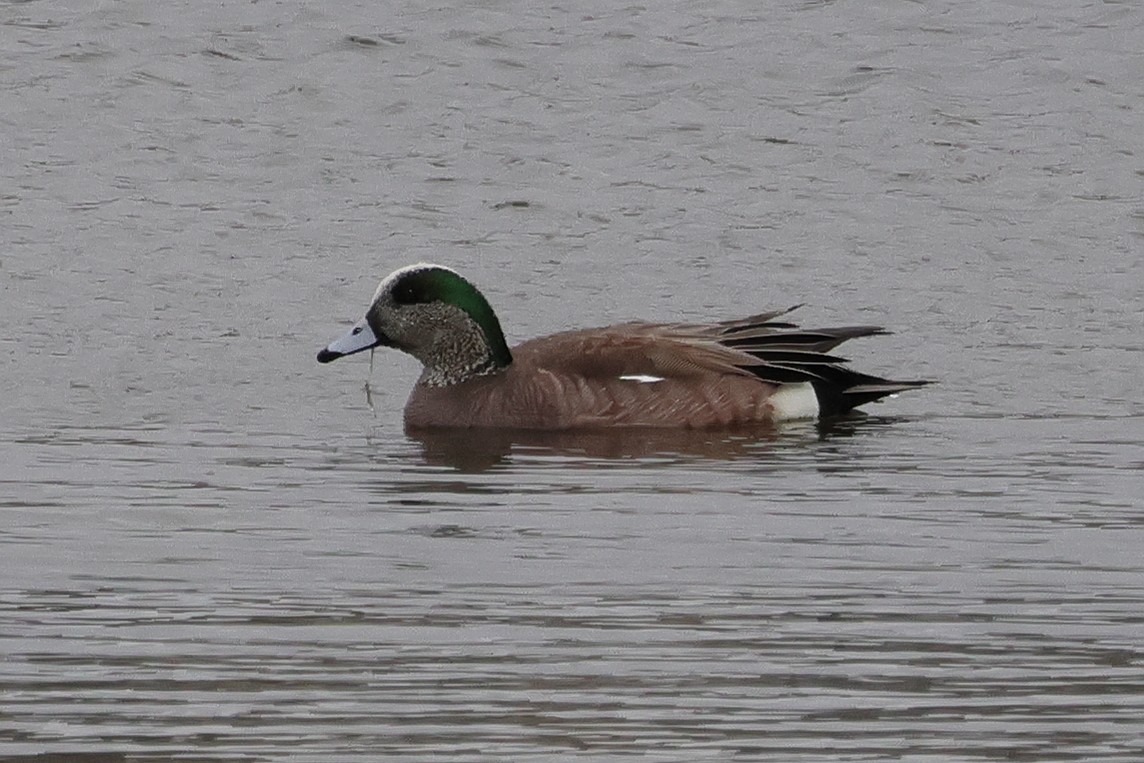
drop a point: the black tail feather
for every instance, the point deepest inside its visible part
(787, 354)
(834, 400)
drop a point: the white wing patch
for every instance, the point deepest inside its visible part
(794, 401)
(641, 378)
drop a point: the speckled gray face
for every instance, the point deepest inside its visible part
(360, 337)
(435, 315)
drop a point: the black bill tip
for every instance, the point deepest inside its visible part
(326, 355)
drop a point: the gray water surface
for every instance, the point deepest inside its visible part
(212, 548)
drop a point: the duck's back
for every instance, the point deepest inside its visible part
(637, 374)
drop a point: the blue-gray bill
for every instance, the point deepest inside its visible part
(360, 337)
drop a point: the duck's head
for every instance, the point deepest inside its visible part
(435, 315)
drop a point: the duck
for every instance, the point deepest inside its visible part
(752, 371)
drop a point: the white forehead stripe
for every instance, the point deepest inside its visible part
(387, 282)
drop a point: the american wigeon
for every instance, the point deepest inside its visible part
(743, 372)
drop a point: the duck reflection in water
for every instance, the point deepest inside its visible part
(476, 450)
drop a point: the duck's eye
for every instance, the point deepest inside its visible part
(357, 330)
(406, 294)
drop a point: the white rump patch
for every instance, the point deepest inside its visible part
(641, 378)
(794, 401)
